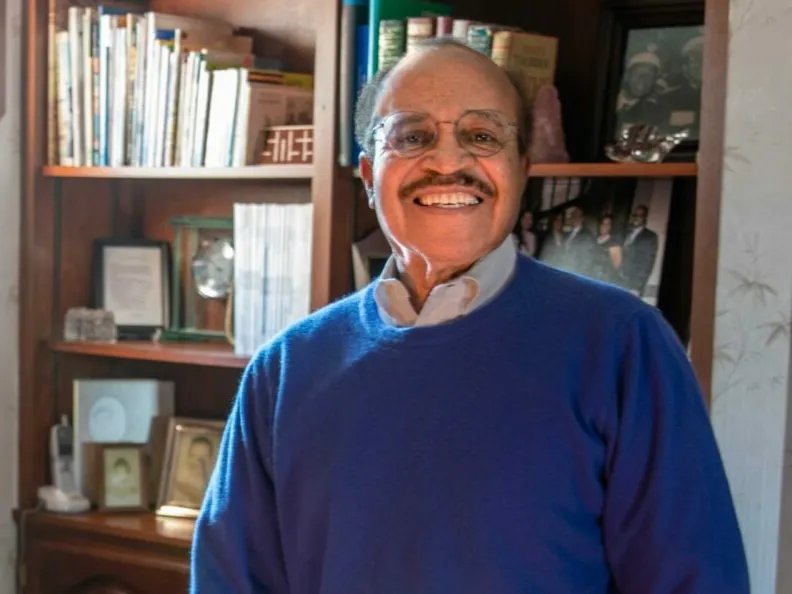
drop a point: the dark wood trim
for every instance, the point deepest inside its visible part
(712, 145)
(35, 260)
(332, 188)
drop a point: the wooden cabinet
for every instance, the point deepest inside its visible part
(104, 554)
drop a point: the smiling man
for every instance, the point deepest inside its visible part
(473, 422)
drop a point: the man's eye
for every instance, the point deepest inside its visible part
(413, 138)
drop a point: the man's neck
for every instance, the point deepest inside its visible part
(420, 277)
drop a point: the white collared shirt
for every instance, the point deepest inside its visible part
(450, 300)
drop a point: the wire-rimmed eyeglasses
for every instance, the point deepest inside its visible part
(410, 134)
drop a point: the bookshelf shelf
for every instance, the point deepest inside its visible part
(615, 170)
(608, 170)
(138, 527)
(186, 353)
(252, 172)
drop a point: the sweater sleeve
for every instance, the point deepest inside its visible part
(236, 542)
(669, 521)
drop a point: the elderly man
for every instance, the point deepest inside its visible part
(474, 421)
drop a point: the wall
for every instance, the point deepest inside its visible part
(754, 292)
(10, 88)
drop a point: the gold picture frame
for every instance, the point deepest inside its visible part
(190, 456)
(122, 477)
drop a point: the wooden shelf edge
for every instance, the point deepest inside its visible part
(614, 170)
(251, 172)
(607, 170)
(186, 353)
(136, 526)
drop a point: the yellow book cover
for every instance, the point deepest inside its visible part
(530, 57)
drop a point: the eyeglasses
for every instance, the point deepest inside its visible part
(410, 134)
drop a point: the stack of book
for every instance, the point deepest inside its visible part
(375, 34)
(151, 89)
(272, 271)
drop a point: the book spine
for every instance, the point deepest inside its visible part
(479, 37)
(418, 29)
(392, 35)
(444, 26)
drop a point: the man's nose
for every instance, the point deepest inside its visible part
(447, 155)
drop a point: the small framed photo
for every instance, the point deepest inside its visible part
(122, 477)
(132, 279)
(654, 75)
(190, 456)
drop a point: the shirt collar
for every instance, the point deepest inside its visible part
(450, 300)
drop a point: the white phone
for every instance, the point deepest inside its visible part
(62, 496)
(62, 456)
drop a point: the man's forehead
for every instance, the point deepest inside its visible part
(446, 80)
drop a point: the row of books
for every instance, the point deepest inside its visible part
(375, 34)
(155, 89)
(272, 270)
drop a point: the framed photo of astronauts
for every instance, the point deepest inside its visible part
(654, 71)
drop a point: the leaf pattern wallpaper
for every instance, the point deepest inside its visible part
(754, 292)
(10, 97)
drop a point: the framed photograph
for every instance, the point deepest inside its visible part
(190, 456)
(369, 256)
(652, 69)
(122, 481)
(132, 279)
(612, 232)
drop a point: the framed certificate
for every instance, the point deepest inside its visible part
(132, 279)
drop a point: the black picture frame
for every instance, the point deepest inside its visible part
(143, 328)
(616, 25)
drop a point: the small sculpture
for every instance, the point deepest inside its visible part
(83, 324)
(640, 143)
(547, 143)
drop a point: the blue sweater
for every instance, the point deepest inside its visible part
(553, 441)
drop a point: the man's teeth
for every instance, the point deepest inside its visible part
(450, 200)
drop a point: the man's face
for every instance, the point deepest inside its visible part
(641, 80)
(576, 217)
(527, 220)
(199, 456)
(638, 217)
(445, 84)
(691, 67)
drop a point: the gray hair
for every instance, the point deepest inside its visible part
(370, 93)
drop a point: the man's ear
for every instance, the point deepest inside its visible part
(367, 175)
(526, 164)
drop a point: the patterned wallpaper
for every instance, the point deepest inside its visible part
(10, 47)
(754, 293)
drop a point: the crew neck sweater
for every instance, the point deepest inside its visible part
(552, 441)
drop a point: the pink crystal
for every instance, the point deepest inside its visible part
(548, 144)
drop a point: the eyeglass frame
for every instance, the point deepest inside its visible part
(381, 120)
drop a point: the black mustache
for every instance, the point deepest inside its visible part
(457, 179)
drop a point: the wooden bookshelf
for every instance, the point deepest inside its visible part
(263, 172)
(190, 353)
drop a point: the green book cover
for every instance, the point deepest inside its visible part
(381, 10)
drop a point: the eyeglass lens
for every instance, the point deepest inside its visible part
(481, 133)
